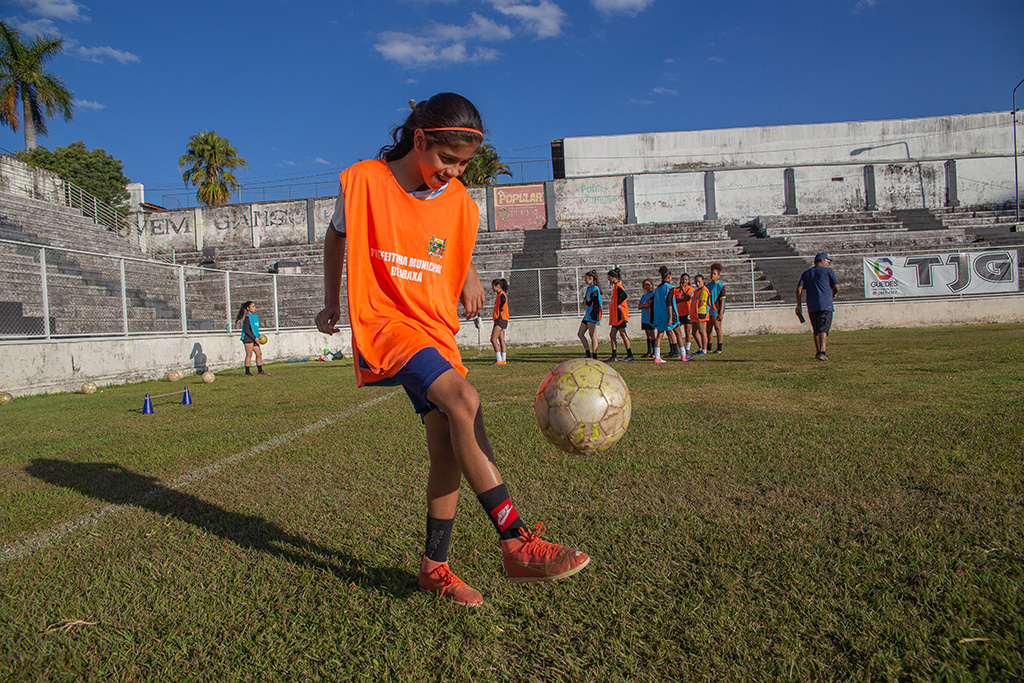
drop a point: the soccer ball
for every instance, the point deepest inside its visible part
(89, 388)
(174, 375)
(208, 377)
(263, 339)
(583, 406)
(5, 397)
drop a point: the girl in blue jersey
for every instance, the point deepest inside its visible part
(664, 317)
(250, 336)
(645, 316)
(592, 314)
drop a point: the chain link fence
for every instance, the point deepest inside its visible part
(54, 292)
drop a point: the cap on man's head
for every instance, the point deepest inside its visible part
(822, 256)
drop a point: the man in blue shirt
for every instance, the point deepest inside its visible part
(822, 286)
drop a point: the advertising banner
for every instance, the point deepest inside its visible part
(521, 207)
(985, 272)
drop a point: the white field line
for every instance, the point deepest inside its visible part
(22, 549)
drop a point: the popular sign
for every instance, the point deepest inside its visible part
(941, 274)
(519, 207)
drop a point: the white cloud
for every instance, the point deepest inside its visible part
(544, 19)
(443, 44)
(100, 54)
(632, 7)
(716, 60)
(86, 104)
(33, 27)
(63, 10)
(864, 5)
(320, 160)
(665, 91)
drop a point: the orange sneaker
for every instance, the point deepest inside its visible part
(437, 578)
(528, 558)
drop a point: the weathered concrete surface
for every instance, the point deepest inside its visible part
(862, 142)
(47, 367)
(671, 197)
(590, 201)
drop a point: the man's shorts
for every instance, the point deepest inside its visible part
(821, 322)
(646, 326)
(503, 324)
(418, 374)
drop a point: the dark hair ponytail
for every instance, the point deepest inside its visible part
(501, 282)
(241, 311)
(615, 273)
(444, 110)
(665, 272)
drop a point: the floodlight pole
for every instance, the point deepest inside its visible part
(1016, 184)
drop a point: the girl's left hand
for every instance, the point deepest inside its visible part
(473, 297)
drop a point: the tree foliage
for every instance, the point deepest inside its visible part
(25, 84)
(209, 161)
(485, 167)
(95, 171)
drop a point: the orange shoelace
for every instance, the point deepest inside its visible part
(444, 576)
(533, 544)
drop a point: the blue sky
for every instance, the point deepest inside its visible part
(305, 88)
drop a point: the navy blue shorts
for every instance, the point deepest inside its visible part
(418, 374)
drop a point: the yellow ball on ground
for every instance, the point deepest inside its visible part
(5, 397)
(263, 339)
(89, 388)
(208, 377)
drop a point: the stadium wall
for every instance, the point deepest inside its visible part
(54, 366)
(732, 175)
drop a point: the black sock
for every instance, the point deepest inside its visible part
(498, 507)
(629, 352)
(615, 353)
(259, 368)
(673, 349)
(439, 536)
(719, 347)
(247, 370)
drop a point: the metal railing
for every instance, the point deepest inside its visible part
(39, 184)
(51, 292)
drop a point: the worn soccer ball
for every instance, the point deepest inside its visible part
(208, 377)
(89, 388)
(263, 339)
(5, 397)
(583, 406)
(174, 375)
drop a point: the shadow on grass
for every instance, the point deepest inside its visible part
(115, 484)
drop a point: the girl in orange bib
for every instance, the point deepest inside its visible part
(407, 228)
(500, 317)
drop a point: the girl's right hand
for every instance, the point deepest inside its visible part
(328, 318)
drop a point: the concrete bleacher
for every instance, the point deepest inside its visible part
(762, 261)
(84, 290)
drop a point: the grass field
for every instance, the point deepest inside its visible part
(766, 517)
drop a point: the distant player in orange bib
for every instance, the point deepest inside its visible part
(683, 293)
(618, 314)
(407, 227)
(500, 317)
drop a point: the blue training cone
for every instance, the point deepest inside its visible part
(186, 398)
(147, 406)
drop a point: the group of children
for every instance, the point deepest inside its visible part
(684, 313)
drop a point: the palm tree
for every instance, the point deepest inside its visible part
(23, 77)
(209, 160)
(484, 167)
